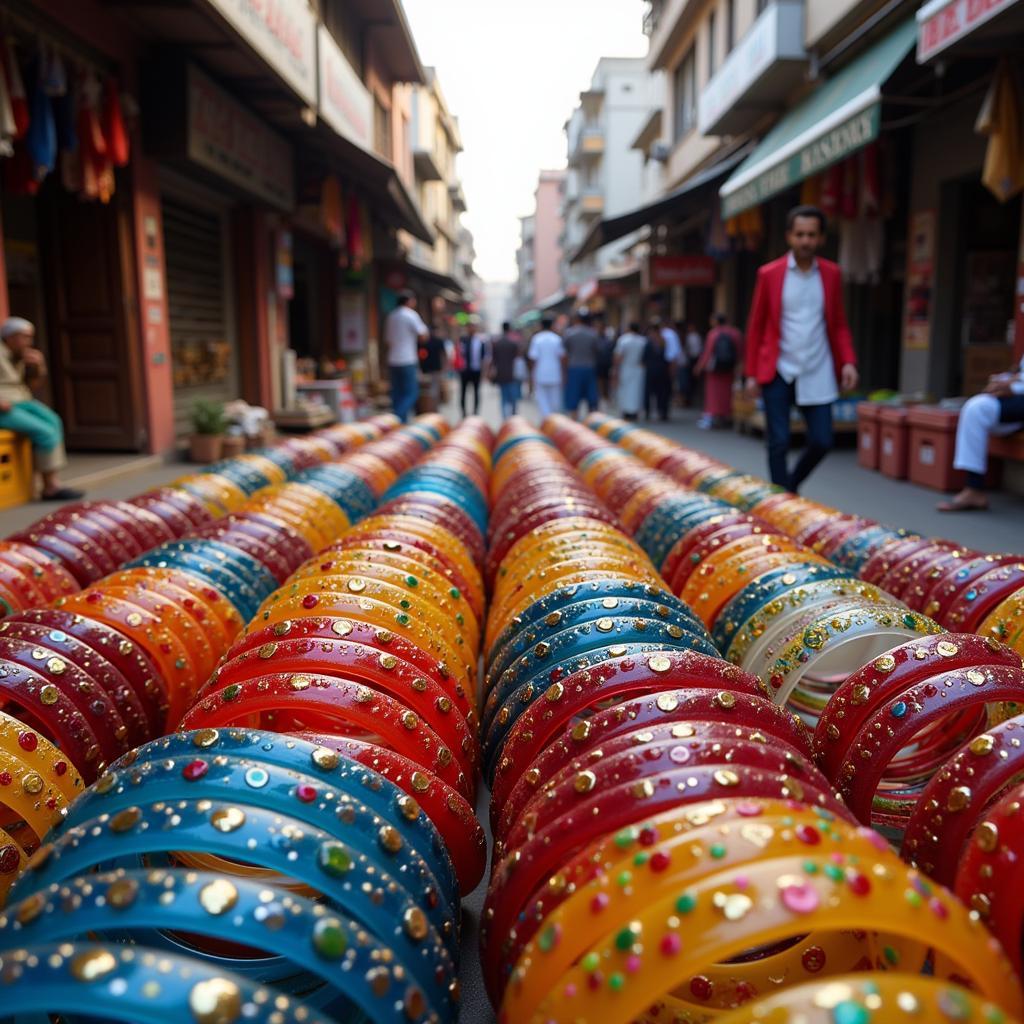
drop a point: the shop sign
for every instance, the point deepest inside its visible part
(345, 103)
(853, 133)
(283, 33)
(920, 274)
(223, 137)
(693, 271)
(940, 25)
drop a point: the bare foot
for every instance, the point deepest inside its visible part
(968, 500)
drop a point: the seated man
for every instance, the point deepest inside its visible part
(23, 414)
(1000, 410)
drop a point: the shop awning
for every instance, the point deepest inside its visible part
(841, 116)
(667, 208)
(445, 282)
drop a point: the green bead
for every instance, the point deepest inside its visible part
(686, 903)
(639, 859)
(616, 982)
(717, 851)
(402, 619)
(834, 872)
(329, 938)
(590, 962)
(810, 867)
(335, 859)
(626, 838)
(625, 939)
(892, 957)
(455, 593)
(548, 939)
(412, 581)
(849, 1012)
(624, 878)
(913, 897)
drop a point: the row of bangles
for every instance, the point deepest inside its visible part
(677, 839)
(295, 850)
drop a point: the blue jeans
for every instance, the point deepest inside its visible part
(510, 395)
(405, 389)
(779, 399)
(580, 384)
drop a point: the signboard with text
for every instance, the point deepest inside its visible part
(941, 26)
(695, 271)
(226, 139)
(283, 33)
(345, 103)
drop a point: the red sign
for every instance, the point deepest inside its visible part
(944, 26)
(678, 271)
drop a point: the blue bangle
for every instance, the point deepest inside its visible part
(141, 907)
(347, 879)
(660, 531)
(586, 610)
(271, 749)
(350, 492)
(245, 476)
(772, 585)
(279, 457)
(128, 986)
(281, 790)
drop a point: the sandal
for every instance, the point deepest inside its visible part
(961, 506)
(62, 494)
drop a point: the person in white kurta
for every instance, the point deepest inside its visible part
(628, 370)
(999, 410)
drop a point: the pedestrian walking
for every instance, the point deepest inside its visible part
(628, 372)
(657, 372)
(22, 366)
(581, 343)
(404, 329)
(504, 368)
(999, 410)
(474, 355)
(546, 356)
(605, 357)
(693, 349)
(799, 346)
(433, 365)
(717, 366)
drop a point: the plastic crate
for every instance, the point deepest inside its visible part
(893, 442)
(15, 469)
(867, 434)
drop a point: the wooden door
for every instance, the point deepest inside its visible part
(92, 313)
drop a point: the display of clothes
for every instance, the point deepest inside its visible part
(66, 117)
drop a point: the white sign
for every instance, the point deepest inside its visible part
(942, 24)
(345, 103)
(351, 322)
(225, 138)
(283, 33)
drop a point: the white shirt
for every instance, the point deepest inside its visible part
(546, 351)
(673, 346)
(402, 331)
(804, 352)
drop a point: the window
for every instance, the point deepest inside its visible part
(712, 41)
(382, 140)
(685, 95)
(730, 25)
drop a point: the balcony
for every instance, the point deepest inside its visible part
(588, 145)
(426, 164)
(458, 197)
(591, 203)
(763, 69)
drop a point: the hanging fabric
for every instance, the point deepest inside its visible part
(8, 126)
(15, 89)
(114, 130)
(41, 139)
(54, 75)
(1000, 119)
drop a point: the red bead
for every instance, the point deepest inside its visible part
(51, 803)
(860, 885)
(595, 980)
(195, 770)
(808, 834)
(660, 860)
(671, 944)
(306, 793)
(598, 903)
(701, 988)
(310, 601)
(5, 779)
(326, 565)
(745, 992)
(648, 836)
(9, 859)
(28, 741)
(60, 768)
(813, 959)
(94, 597)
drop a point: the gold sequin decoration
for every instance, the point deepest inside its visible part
(93, 964)
(218, 897)
(227, 819)
(215, 1001)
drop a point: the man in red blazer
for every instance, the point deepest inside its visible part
(799, 346)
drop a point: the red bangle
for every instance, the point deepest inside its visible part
(893, 724)
(446, 807)
(385, 672)
(50, 577)
(294, 702)
(116, 543)
(952, 579)
(54, 715)
(124, 654)
(637, 756)
(518, 878)
(619, 677)
(988, 879)
(890, 675)
(23, 590)
(970, 606)
(684, 706)
(957, 796)
(711, 535)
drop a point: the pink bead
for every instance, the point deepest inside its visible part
(671, 944)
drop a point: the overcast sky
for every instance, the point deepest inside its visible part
(511, 71)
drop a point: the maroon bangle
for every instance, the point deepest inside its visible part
(182, 501)
(50, 579)
(957, 796)
(953, 578)
(971, 604)
(306, 702)
(712, 534)
(890, 675)
(693, 704)
(909, 579)
(893, 724)
(74, 558)
(105, 537)
(885, 559)
(22, 587)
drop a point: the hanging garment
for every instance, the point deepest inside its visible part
(54, 75)
(18, 177)
(861, 248)
(831, 189)
(849, 198)
(65, 114)
(41, 139)
(1000, 119)
(870, 182)
(15, 89)
(114, 130)
(331, 209)
(8, 126)
(92, 142)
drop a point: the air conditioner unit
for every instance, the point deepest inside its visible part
(661, 151)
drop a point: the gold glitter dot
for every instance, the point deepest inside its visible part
(553, 618)
(789, 579)
(31, 908)
(975, 677)
(282, 628)
(49, 694)
(908, 1002)
(617, 651)
(987, 837)
(982, 745)
(643, 789)
(267, 651)
(659, 663)
(580, 731)
(325, 758)
(409, 808)
(959, 799)
(860, 694)
(227, 819)
(409, 720)
(610, 602)
(205, 738)
(379, 980)
(126, 819)
(215, 1001)
(667, 702)
(134, 619)
(299, 682)
(121, 893)
(982, 904)
(542, 650)
(218, 897)
(584, 782)
(946, 649)
(683, 731)
(342, 627)
(32, 783)
(734, 906)
(93, 964)
(414, 921)
(56, 666)
(420, 782)
(886, 663)
(605, 625)
(725, 699)
(390, 838)
(388, 661)
(357, 586)
(554, 692)
(726, 777)
(674, 631)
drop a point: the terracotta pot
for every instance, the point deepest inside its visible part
(205, 448)
(234, 444)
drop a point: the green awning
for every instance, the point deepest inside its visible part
(528, 318)
(841, 116)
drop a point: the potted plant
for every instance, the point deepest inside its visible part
(207, 438)
(233, 443)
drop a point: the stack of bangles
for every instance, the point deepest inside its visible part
(229, 872)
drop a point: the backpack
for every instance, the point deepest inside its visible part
(723, 355)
